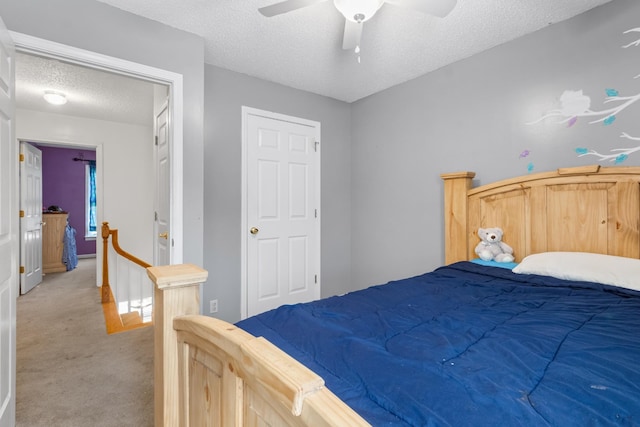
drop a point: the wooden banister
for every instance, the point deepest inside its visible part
(118, 249)
(107, 296)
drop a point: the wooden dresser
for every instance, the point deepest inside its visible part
(53, 242)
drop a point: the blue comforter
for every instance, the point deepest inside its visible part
(470, 345)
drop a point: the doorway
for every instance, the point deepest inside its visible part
(66, 188)
(173, 92)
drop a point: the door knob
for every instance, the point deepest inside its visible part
(164, 235)
(254, 230)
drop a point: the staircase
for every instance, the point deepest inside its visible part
(128, 304)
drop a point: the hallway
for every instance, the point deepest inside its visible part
(69, 371)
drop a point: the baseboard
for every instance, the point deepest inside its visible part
(86, 256)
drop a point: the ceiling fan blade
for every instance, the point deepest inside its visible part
(286, 6)
(352, 34)
(439, 8)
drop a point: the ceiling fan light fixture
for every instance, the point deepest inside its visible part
(55, 98)
(358, 10)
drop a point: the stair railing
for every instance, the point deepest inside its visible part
(134, 290)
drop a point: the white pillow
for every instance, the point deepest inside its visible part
(607, 269)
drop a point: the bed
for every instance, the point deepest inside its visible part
(554, 343)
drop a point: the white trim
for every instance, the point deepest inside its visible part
(243, 213)
(244, 225)
(29, 44)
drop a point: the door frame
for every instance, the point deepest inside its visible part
(70, 145)
(33, 45)
(244, 221)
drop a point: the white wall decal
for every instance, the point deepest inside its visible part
(575, 104)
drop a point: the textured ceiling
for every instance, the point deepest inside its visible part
(303, 48)
(90, 93)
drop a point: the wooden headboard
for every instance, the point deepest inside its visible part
(587, 209)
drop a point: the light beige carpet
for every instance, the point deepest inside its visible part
(69, 371)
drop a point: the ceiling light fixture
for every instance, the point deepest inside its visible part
(55, 98)
(358, 10)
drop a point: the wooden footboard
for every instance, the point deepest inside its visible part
(211, 373)
(231, 378)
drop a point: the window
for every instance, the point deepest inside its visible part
(90, 201)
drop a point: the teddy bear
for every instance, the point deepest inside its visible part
(491, 246)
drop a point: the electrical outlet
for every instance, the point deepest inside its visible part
(213, 306)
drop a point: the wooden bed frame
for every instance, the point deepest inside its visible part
(587, 209)
(211, 373)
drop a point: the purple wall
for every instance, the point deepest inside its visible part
(63, 184)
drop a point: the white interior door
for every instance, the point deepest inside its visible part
(9, 247)
(162, 237)
(282, 230)
(30, 217)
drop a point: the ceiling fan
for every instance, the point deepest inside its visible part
(356, 12)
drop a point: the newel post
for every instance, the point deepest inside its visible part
(105, 288)
(177, 293)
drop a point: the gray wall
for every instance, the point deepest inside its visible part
(110, 31)
(381, 156)
(226, 93)
(471, 115)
